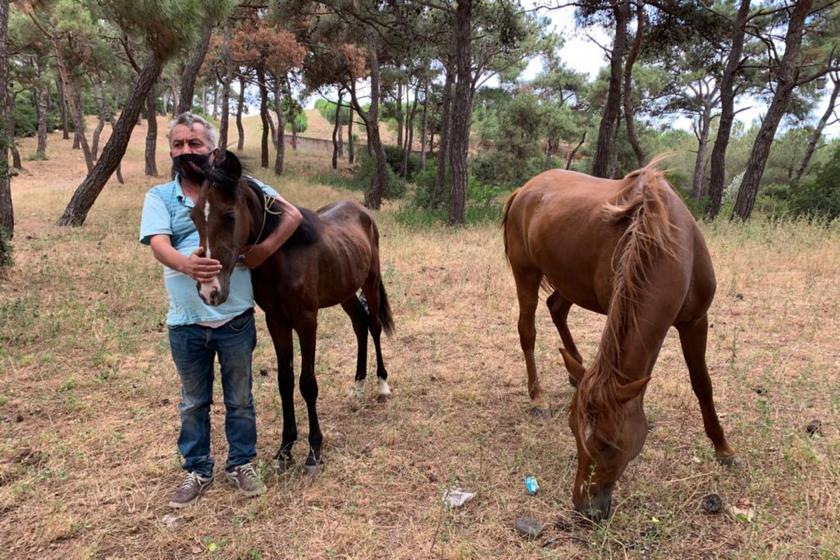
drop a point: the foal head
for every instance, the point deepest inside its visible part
(609, 425)
(223, 221)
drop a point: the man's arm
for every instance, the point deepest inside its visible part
(290, 218)
(197, 267)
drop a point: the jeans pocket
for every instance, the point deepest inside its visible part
(242, 322)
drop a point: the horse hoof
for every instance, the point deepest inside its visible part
(355, 403)
(540, 412)
(383, 398)
(313, 470)
(731, 462)
(283, 459)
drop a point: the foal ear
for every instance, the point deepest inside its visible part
(232, 164)
(576, 370)
(217, 158)
(631, 390)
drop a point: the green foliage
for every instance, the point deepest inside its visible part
(26, 119)
(821, 196)
(394, 155)
(328, 110)
(6, 259)
(395, 187)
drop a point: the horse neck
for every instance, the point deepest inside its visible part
(627, 348)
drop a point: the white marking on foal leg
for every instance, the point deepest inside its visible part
(384, 390)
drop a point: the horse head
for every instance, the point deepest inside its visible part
(223, 221)
(609, 425)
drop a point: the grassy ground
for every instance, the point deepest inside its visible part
(88, 403)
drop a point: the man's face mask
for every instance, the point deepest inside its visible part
(191, 166)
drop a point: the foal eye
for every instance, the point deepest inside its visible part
(229, 217)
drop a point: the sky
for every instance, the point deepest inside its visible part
(582, 55)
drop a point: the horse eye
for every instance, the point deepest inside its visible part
(229, 217)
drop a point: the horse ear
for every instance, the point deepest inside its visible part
(217, 158)
(576, 370)
(232, 164)
(631, 390)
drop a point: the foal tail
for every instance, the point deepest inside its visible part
(642, 203)
(385, 310)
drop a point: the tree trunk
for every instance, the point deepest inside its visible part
(351, 151)
(280, 144)
(216, 101)
(16, 162)
(103, 118)
(571, 156)
(62, 107)
(272, 130)
(409, 129)
(424, 127)
(339, 119)
(263, 115)
(376, 191)
(628, 87)
(185, 101)
(240, 142)
(7, 215)
(151, 134)
(461, 110)
(336, 128)
(697, 190)
(817, 134)
(42, 95)
(717, 174)
(228, 78)
(73, 96)
(173, 89)
(436, 198)
(399, 113)
(607, 129)
(786, 73)
(86, 193)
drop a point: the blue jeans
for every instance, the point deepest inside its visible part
(193, 349)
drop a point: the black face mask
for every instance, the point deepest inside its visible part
(188, 172)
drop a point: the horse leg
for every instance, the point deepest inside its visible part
(281, 335)
(527, 291)
(559, 307)
(309, 390)
(693, 341)
(371, 290)
(359, 317)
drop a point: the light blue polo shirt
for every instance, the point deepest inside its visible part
(166, 210)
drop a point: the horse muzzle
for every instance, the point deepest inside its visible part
(595, 507)
(211, 292)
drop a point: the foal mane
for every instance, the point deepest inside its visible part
(642, 205)
(307, 233)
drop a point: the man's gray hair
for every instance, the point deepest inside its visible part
(189, 119)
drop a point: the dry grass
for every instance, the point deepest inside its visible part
(88, 404)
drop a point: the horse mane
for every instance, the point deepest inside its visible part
(307, 233)
(642, 205)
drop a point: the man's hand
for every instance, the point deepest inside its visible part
(254, 255)
(200, 268)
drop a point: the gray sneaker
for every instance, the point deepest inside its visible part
(190, 490)
(245, 478)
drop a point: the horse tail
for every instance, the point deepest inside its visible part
(505, 215)
(385, 316)
(642, 203)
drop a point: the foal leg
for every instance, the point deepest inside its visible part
(359, 317)
(371, 290)
(559, 307)
(693, 341)
(281, 335)
(527, 291)
(309, 390)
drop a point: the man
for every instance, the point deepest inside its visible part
(198, 332)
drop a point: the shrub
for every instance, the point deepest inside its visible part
(395, 187)
(820, 198)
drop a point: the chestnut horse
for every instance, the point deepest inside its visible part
(629, 249)
(333, 253)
